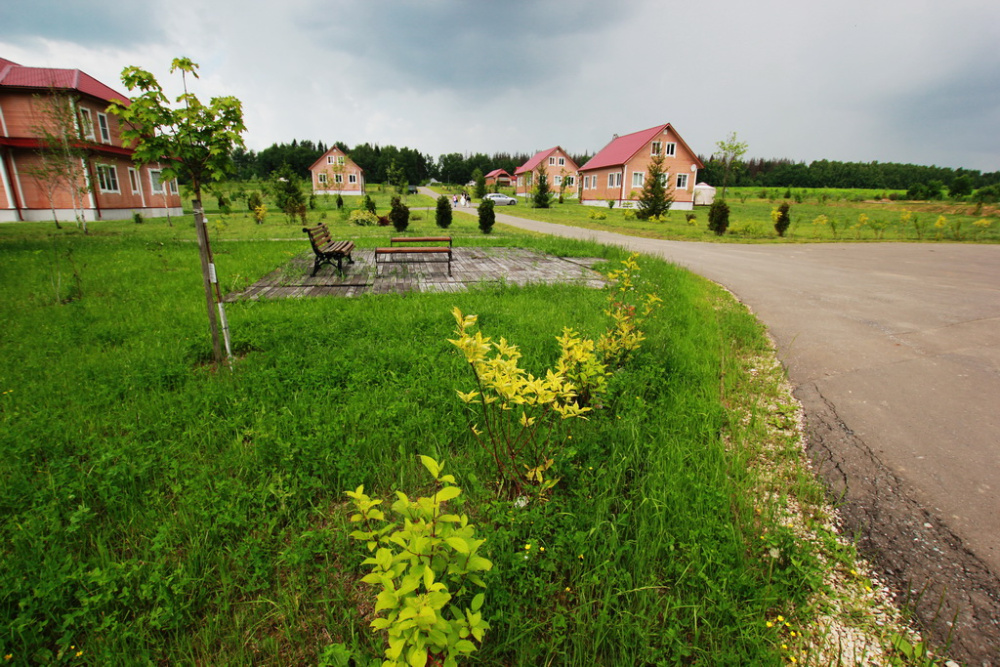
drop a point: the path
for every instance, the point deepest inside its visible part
(894, 351)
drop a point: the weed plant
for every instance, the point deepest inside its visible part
(157, 509)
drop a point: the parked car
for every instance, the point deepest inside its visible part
(500, 199)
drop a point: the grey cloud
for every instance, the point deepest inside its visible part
(460, 44)
(92, 23)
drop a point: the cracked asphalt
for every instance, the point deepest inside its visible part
(894, 352)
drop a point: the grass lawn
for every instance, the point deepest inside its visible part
(750, 219)
(159, 510)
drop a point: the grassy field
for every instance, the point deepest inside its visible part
(159, 510)
(847, 215)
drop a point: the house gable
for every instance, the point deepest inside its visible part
(335, 172)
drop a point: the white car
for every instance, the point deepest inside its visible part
(500, 199)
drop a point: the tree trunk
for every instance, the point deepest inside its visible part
(207, 269)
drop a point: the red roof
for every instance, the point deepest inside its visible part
(622, 149)
(534, 162)
(13, 75)
(497, 172)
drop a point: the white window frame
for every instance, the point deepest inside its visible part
(638, 179)
(156, 181)
(338, 178)
(670, 149)
(87, 124)
(341, 161)
(682, 181)
(173, 187)
(321, 178)
(102, 124)
(352, 178)
(133, 179)
(615, 179)
(656, 148)
(329, 159)
(107, 178)
(562, 162)
(570, 181)
(556, 180)
(552, 161)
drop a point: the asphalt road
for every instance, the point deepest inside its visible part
(894, 352)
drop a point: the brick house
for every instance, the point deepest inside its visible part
(335, 173)
(560, 169)
(498, 177)
(618, 171)
(115, 186)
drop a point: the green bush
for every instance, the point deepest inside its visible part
(443, 213)
(399, 214)
(363, 218)
(718, 217)
(487, 216)
(782, 219)
(369, 204)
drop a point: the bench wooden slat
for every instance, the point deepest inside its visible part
(327, 250)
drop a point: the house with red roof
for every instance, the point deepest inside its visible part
(618, 171)
(560, 170)
(497, 178)
(113, 186)
(334, 173)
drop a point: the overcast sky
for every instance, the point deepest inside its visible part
(855, 80)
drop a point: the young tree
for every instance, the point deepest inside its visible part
(477, 176)
(487, 216)
(541, 196)
(396, 176)
(656, 196)
(61, 159)
(732, 150)
(782, 219)
(194, 140)
(399, 214)
(443, 212)
(286, 188)
(718, 217)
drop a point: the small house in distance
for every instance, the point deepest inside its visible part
(497, 177)
(560, 170)
(334, 173)
(618, 171)
(92, 173)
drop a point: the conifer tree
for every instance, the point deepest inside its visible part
(541, 196)
(656, 196)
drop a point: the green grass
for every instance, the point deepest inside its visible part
(158, 510)
(750, 219)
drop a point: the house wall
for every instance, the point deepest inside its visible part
(349, 168)
(523, 187)
(683, 162)
(24, 197)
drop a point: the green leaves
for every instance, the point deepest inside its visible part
(424, 558)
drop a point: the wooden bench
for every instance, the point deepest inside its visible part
(434, 250)
(327, 250)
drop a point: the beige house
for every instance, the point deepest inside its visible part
(618, 171)
(335, 173)
(560, 169)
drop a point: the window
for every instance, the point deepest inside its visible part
(329, 159)
(352, 178)
(87, 124)
(102, 121)
(562, 162)
(340, 160)
(173, 187)
(321, 178)
(638, 178)
(155, 181)
(671, 149)
(107, 178)
(552, 161)
(570, 181)
(133, 179)
(682, 181)
(656, 149)
(615, 180)
(338, 178)
(557, 180)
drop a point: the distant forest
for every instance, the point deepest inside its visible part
(775, 172)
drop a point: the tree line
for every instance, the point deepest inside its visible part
(786, 173)
(377, 161)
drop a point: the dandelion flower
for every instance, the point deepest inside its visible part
(770, 624)
(527, 547)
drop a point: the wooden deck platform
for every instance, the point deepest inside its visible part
(470, 266)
